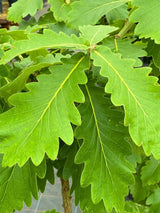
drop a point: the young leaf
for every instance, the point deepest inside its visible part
(49, 39)
(18, 185)
(147, 16)
(22, 8)
(89, 12)
(95, 34)
(138, 92)
(43, 115)
(103, 151)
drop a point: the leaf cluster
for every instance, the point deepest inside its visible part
(79, 92)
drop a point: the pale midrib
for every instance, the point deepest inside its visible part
(50, 102)
(94, 37)
(99, 136)
(8, 56)
(125, 84)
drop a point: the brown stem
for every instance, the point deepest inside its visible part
(66, 196)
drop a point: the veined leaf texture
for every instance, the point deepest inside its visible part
(104, 143)
(137, 92)
(79, 92)
(40, 122)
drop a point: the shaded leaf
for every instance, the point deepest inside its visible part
(150, 174)
(132, 207)
(120, 13)
(18, 84)
(103, 151)
(44, 114)
(154, 201)
(154, 51)
(49, 176)
(18, 185)
(83, 195)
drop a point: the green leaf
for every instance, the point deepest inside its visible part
(138, 191)
(95, 34)
(51, 211)
(18, 84)
(16, 34)
(89, 12)
(137, 92)
(154, 51)
(49, 176)
(120, 13)
(18, 185)
(132, 207)
(103, 151)
(83, 195)
(60, 9)
(126, 48)
(147, 16)
(154, 200)
(44, 114)
(150, 174)
(22, 8)
(49, 39)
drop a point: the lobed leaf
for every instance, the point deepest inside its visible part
(147, 16)
(49, 39)
(60, 9)
(137, 92)
(22, 8)
(18, 83)
(18, 185)
(103, 150)
(44, 114)
(126, 48)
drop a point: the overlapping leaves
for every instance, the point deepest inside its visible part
(42, 115)
(138, 92)
(49, 39)
(18, 185)
(91, 11)
(103, 151)
(147, 16)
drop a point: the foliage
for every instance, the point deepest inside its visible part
(79, 92)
